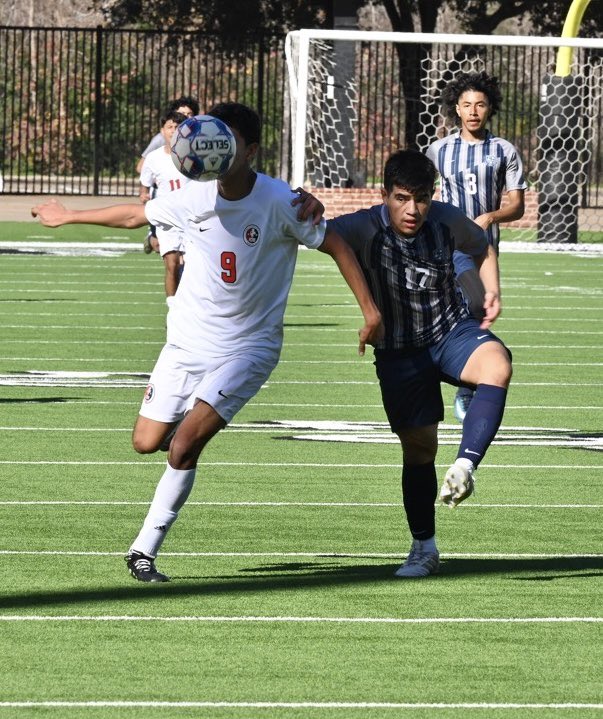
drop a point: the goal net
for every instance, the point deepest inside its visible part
(357, 96)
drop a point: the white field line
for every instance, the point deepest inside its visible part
(352, 314)
(315, 555)
(397, 505)
(288, 465)
(413, 706)
(58, 289)
(300, 619)
(312, 405)
(304, 329)
(82, 283)
(507, 331)
(129, 303)
(352, 362)
(96, 380)
(447, 431)
(287, 345)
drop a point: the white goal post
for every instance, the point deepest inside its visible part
(358, 95)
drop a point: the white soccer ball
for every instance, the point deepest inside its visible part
(203, 148)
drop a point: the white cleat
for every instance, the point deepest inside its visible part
(458, 485)
(420, 563)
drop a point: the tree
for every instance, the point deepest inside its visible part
(479, 17)
(247, 16)
(59, 13)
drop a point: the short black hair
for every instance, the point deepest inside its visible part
(240, 117)
(185, 101)
(476, 81)
(172, 115)
(411, 170)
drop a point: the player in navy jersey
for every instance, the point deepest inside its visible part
(225, 326)
(405, 247)
(476, 168)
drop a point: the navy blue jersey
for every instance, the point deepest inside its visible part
(474, 174)
(412, 279)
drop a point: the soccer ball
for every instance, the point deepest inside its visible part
(203, 148)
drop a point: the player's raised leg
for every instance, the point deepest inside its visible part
(489, 369)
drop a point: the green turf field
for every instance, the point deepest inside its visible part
(282, 602)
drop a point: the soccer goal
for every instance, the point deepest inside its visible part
(356, 96)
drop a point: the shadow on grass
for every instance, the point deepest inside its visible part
(307, 575)
(36, 400)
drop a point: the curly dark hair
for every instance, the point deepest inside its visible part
(185, 101)
(477, 81)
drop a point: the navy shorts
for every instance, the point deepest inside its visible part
(410, 379)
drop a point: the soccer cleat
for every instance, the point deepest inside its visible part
(143, 568)
(419, 563)
(461, 403)
(146, 245)
(458, 485)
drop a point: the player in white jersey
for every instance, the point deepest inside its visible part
(476, 168)
(160, 173)
(225, 326)
(187, 106)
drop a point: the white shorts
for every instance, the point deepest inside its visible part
(180, 377)
(170, 241)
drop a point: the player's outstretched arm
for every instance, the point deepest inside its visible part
(335, 246)
(54, 214)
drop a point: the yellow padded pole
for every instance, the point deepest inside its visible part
(571, 26)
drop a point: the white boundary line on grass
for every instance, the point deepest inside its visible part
(396, 505)
(290, 465)
(296, 705)
(318, 555)
(299, 620)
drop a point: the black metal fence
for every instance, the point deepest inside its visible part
(77, 106)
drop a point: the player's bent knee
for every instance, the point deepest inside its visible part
(143, 445)
(501, 373)
(184, 455)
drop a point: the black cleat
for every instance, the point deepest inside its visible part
(143, 568)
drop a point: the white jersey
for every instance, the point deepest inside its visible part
(159, 170)
(240, 258)
(474, 174)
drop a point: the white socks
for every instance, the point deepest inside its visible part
(172, 492)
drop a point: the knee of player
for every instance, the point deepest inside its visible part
(500, 373)
(419, 446)
(183, 453)
(143, 445)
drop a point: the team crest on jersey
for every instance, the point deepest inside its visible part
(491, 160)
(251, 235)
(149, 393)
